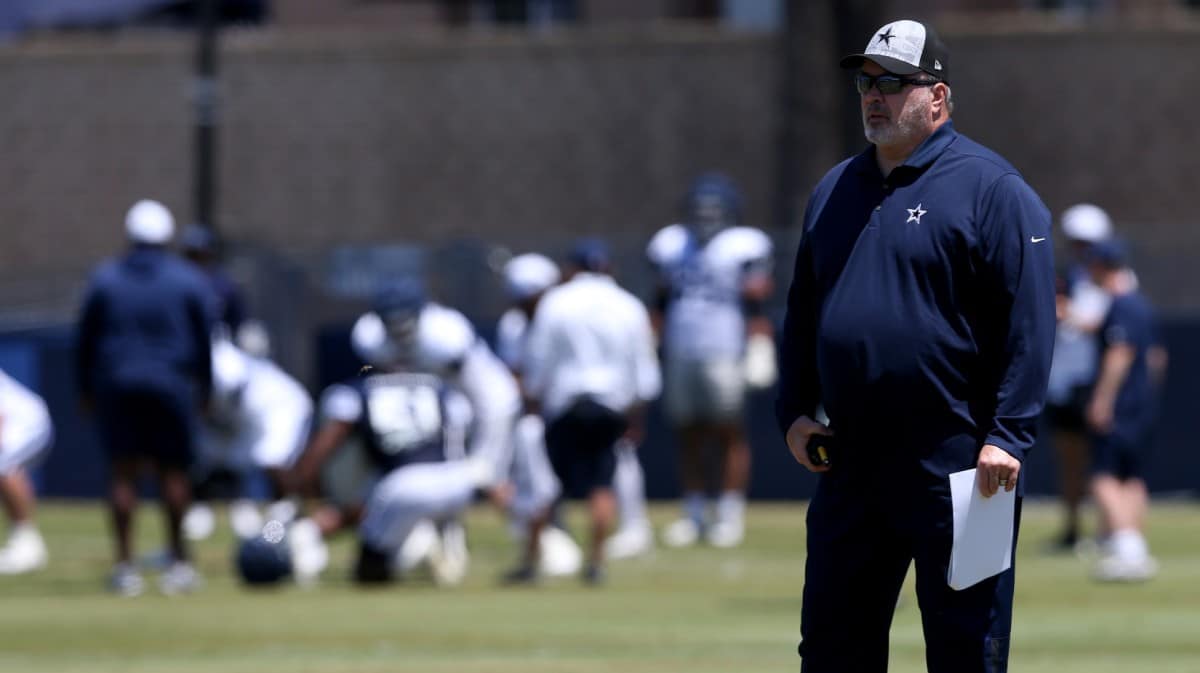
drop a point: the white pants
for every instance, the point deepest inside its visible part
(23, 439)
(437, 491)
(533, 478)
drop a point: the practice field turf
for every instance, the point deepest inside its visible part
(692, 611)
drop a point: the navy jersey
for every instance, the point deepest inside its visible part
(403, 419)
(1130, 322)
(921, 312)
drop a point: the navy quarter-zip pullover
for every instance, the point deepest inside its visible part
(146, 325)
(921, 311)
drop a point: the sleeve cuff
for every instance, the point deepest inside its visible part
(1009, 447)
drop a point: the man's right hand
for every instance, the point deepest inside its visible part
(802, 430)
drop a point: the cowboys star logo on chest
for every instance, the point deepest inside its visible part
(914, 214)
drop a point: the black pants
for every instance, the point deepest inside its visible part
(580, 443)
(862, 537)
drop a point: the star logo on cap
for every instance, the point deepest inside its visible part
(914, 214)
(886, 36)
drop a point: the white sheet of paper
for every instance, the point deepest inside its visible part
(983, 532)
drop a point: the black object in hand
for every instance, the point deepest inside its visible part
(820, 449)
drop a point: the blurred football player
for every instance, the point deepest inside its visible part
(527, 277)
(25, 436)
(714, 278)
(258, 420)
(435, 414)
(589, 367)
(534, 485)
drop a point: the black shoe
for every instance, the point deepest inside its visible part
(594, 575)
(523, 575)
(373, 567)
(1064, 543)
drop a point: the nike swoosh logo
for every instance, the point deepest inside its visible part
(1035, 239)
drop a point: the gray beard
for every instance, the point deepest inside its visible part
(899, 130)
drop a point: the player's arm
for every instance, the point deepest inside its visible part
(647, 374)
(342, 407)
(1114, 368)
(757, 287)
(1156, 362)
(302, 478)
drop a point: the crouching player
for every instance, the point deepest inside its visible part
(258, 420)
(25, 434)
(433, 414)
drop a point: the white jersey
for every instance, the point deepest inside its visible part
(704, 316)
(590, 337)
(1075, 349)
(25, 428)
(446, 345)
(260, 411)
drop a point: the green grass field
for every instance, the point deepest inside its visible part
(691, 611)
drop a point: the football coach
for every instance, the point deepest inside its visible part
(921, 317)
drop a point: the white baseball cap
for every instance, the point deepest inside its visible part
(905, 47)
(149, 222)
(1086, 222)
(528, 274)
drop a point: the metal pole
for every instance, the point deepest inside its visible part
(787, 140)
(204, 98)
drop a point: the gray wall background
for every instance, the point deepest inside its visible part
(448, 147)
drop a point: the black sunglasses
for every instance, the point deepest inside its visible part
(887, 83)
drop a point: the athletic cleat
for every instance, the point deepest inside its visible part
(1116, 569)
(681, 533)
(630, 541)
(416, 548)
(25, 552)
(594, 576)
(448, 560)
(180, 578)
(726, 534)
(125, 581)
(523, 575)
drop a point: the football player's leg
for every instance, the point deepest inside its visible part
(536, 485)
(23, 442)
(169, 429)
(633, 536)
(25, 550)
(725, 381)
(404, 497)
(630, 486)
(682, 402)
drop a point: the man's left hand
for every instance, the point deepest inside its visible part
(996, 469)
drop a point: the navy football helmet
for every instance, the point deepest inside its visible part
(399, 303)
(712, 203)
(261, 561)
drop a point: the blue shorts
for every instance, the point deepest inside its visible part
(147, 424)
(1120, 456)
